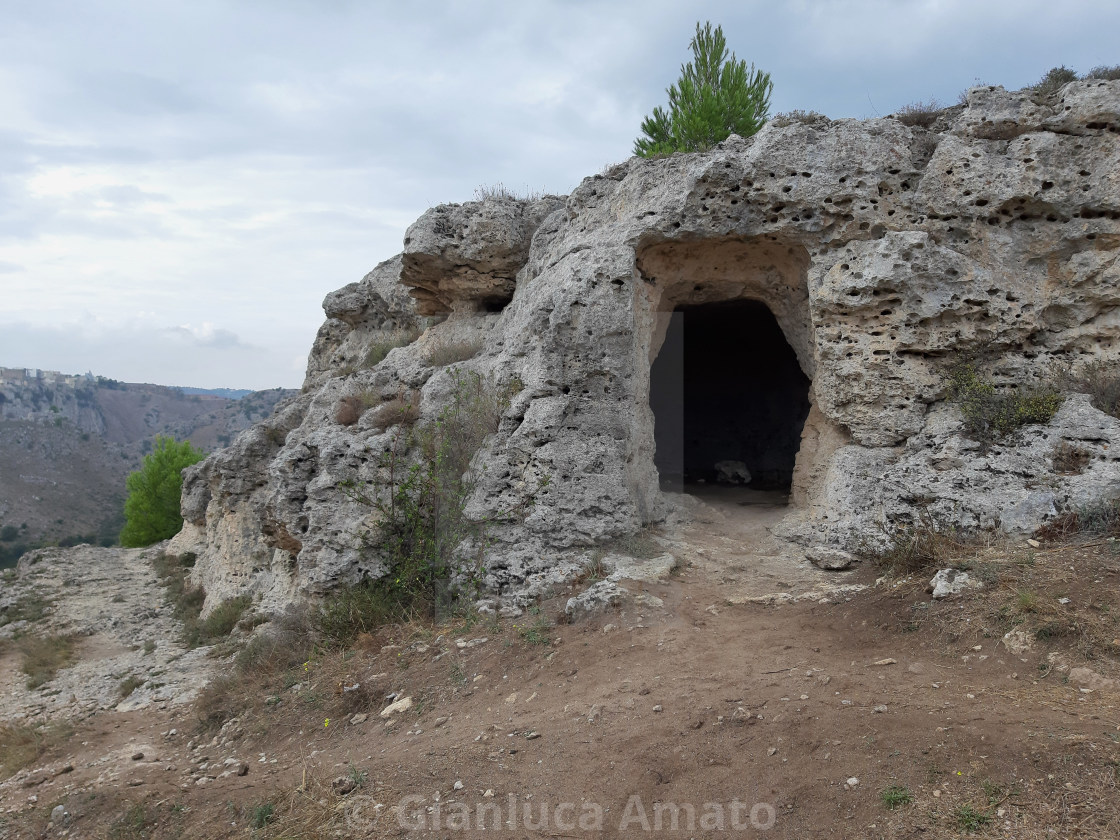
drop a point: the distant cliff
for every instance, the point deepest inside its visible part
(68, 442)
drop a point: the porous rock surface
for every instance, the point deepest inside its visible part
(885, 251)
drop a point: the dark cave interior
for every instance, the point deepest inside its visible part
(726, 386)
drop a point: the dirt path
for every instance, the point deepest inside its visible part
(726, 537)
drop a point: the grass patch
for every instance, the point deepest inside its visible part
(1026, 601)
(1101, 519)
(379, 348)
(968, 819)
(31, 607)
(895, 796)
(21, 746)
(922, 546)
(262, 815)
(450, 352)
(274, 658)
(187, 601)
(797, 116)
(45, 656)
(536, 633)
(989, 414)
(352, 610)
(500, 192)
(136, 823)
(223, 618)
(128, 685)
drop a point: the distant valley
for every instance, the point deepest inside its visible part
(67, 443)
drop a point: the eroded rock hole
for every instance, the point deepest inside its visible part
(729, 399)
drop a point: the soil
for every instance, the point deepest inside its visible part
(807, 715)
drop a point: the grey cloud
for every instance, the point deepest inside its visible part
(207, 336)
(316, 131)
(127, 194)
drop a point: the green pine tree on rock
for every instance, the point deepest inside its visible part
(152, 508)
(715, 96)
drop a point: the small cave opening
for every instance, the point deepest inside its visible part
(729, 399)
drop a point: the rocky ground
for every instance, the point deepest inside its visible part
(109, 603)
(810, 715)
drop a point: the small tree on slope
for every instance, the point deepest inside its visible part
(152, 507)
(714, 97)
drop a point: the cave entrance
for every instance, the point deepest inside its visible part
(729, 400)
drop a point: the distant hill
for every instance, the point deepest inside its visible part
(67, 443)
(228, 393)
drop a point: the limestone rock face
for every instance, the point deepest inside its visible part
(885, 252)
(469, 254)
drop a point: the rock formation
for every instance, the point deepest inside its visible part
(884, 252)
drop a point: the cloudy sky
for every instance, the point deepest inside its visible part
(182, 182)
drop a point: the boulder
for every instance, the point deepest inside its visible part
(832, 559)
(949, 582)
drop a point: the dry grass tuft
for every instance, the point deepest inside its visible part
(401, 410)
(798, 116)
(380, 347)
(922, 114)
(1069, 458)
(348, 411)
(31, 607)
(499, 192)
(187, 602)
(128, 685)
(450, 352)
(45, 656)
(926, 546)
(21, 746)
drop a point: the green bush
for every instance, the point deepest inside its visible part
(716, 95)
(422, 519)
(152, 507)
(989, 414)
(8, 533)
